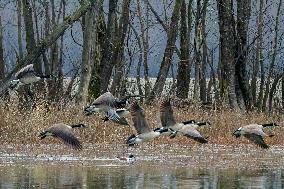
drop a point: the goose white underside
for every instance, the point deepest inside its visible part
(144, 137)
(49, 134)
(29, 80)
(122, 112)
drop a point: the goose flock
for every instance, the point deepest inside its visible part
(116, 110)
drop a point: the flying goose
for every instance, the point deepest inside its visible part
(108, 104)
(254, 133)
(64, 132)
(26, 75)
(186, 128)
(144, 133)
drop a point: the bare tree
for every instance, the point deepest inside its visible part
(29, 27)
(242, 84)
(19, 27)
(259, 58)
(273, 58)
(227, 42)
(89, 37)
(144, 39)
(108, 47)
(167, 59)
(272, 90)
(282, 86)
(204, 49)
(183, 76)
(2, 63)
(118, 57)
(197, 52)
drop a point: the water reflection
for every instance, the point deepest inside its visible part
(62, 175)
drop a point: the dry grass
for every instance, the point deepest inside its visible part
(22, 128)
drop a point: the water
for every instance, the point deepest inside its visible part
(98, 167)
(132, 176)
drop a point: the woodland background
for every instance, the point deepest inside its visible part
(222, 52)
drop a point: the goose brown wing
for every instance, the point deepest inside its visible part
(65, 134)
(138, 118)
(257, 139)
(122, 121)
(26, 71)
(193, 134)
(106, 99)
(166, 113)
(112, 115)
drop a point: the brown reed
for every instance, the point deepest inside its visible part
(22, 127)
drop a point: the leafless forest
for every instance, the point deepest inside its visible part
(230, 51)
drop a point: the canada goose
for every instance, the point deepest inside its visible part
(63, 132)
(108, 104)
(141, 126)
(129, 159)
(186, 128)
(254, 133)
(26, 75)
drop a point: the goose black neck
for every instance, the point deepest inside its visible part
(121, 103)
(44, 76)
(189, 122)
(269, 124)
(76, 125)
(130, 138)
(201, 123)
(42, 135)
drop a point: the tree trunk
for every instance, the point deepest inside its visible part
(272, 91)
(35, 13)
(183, 76)
(89, 38)
(167, 59)
(282, 87)
(2, 63)
(209, 89)
(26, 96)
(243, 11)
(144, 38)
(54, 59)
(60, 77)
(119, 46)
(259, 57)
(55, 91)
(197, 53)
(272, 63)
(46, 31)
(203, 45)
(227, 50)
(108, 47)
(94, 87)
(29, 28)
(19, 27)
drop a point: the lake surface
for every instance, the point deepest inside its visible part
(132, 176)
(97, 167)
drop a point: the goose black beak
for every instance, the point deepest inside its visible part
(87, 111)
(42, 135)
(129, 141)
